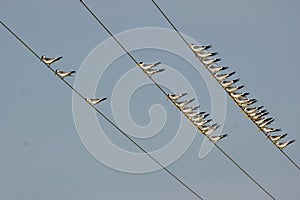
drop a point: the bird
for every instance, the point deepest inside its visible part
(245, 102)
(217, 137)
(198, 117)
(151, 71)
(184, 103)
(202, 122)
(189, 109)
(270, 130)
(63, 74)
(234, 89)
(252, 110)
(214, 69)
(50, 61)
(239, 95)
(282, 145)
(175, 97)
(208, 62)
(199, 49)
(266, 123)
(148, 66)
(259, 116)
(276, 138)
(258, 112)
(209, 129)
(193, 114)
(226, 84)
(94, 101)
(206, 54)
(263, 120)
(222, 77)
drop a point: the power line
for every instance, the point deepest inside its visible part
(104, 116)
(185, 41)
(132, 58)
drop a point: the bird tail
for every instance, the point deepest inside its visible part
(72, 72)
(103, 99)
(58, 58)
(290, 142)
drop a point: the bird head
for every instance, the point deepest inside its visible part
(42, 57)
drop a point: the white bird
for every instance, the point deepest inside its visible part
(252, 110)
(175, 97)
(226, 84)
(199, 49)
(282, 145)
(193, 114)
(189, 109)
(198, 117)
(259, 116)
(94, 101)
(184, 103)
(266, 123)
(208, 62)
(276, 138)
(222, 77)
(239, 95)
(258, 112)
(214, 69)
(63, 74)
(234, 89)
(246, 103)
(270, 130)
(49, 61)
(151, 71)
(206, 54)
(145, 66)
(217, 137)
(243, 101)
(202, 123)
(263, 120)
(207, 130)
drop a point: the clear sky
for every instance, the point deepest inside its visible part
(42, 156)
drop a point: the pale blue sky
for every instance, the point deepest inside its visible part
(40, 151)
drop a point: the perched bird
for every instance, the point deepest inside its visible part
(193, 114)
(207, 130)
(222, 77)
(198, 117)
(63, 74)
(245, 102)
(94, 101)
(239, 95)
(148, 66)
(151, 71)
(202, 122)
(276, 138)
(199, 49)
(208, 62)
(259, 116)
(270, 130)
(175, 97)
(252, 110)
(184, 103)
(266, 123)
(215, 69)
(189, 109)
(234, 89)
(258, 112)
(226, 84)
(263, 120)
(49, 61)
(206, 54)
(217, 137)
(282, 145)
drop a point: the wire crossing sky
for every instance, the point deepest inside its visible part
(104, 116)
(274, 143)
(218, 147)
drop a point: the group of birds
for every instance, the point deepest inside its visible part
(151, 68)
(255, 114)
(198, 118)
(63, 74)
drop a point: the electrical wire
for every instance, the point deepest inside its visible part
(132, 58)
(105, 117)
(185, 41)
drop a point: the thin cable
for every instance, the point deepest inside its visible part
(104, 116)
(118, 42)
(185, 41)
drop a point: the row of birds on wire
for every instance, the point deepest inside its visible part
(198, 118)
(256, 114)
